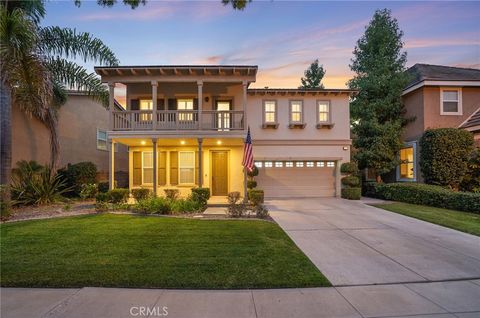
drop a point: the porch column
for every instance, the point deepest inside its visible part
(111, 103)
(111, 164)
(244, 103)
(155, 168)
(154, 104)
(167, 172)
(200, 103)
(200, 163)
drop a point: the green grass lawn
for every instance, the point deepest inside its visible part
(134, 251)
(458, 220)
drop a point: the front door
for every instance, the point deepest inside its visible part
(219, 173)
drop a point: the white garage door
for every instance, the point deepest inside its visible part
(284, 179)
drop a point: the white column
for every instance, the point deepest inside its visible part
(154, 104)
(111, 102)
(200, 163)
(167, 172)
(155, 167)
(111, 164)
(200, 103)
(244, 103)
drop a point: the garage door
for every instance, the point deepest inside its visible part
(282, 179)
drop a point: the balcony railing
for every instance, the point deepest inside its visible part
(220, 120)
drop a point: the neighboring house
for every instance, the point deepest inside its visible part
(82, 134)
(185, 126)
(438, 97)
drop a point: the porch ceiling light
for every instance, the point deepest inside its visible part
(143, 142)
(219, 142)
(182, 142)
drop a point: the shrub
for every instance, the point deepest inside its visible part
(431, 195)
(235, 209)
(140, 194)
(5, 206)
(351, 193)
(253, 173)
(118, 195)
(351, 181)
(251, 184)
(101, 206)
(156, 205)
(186, 206)
(444, 155)
(369, 189)
(76, 175)
(349, 168)
(101, 197)
(261, 211)
(255, 196)
(103, 186)
(471, 180)
(200, 195)
(88, 191)
(171, 194)
(233, 197)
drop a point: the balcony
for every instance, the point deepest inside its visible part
(214, 120)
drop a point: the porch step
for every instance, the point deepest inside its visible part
(217, 205)
(215, 210)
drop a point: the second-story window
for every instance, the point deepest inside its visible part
(185, 104)
(101, 139)
(296, 112)
(146, 104)
(270, 112)
(450, 101)
(323, 110)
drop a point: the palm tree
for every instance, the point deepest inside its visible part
(36, 69)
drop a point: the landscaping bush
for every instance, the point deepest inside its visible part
(101, 206)
(171, 194)
(186, 206)
(425, 194)
(77, 175)
(5, 206)
(351, 181)
(261, 211)
(103, 186)
(471, 180)
(101, 197)
(255, 196)
(351, 193)
(140, 194)
(235, 209)
(349, 168)
(88, 191)
(444, 155)
(200, 195)
(118, 195)
(155, 205)
(251, 184)
(369, 189)
(253, 173)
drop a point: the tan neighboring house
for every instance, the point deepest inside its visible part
(438, 97)
(185, 127)
(82, 130)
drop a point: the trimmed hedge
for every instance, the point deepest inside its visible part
(251, 184)
(200, 195)
(351, 181)
(78, 174)
(349, 168)
(351, 193)
(431, 195)
(256, 196)
(140, 194)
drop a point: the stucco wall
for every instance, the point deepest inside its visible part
(79, 119)
(414, 108)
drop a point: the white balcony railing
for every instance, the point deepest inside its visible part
(219, 120)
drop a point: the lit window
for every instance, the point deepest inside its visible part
(330, 164)
(268, 164)
(269, 110)
(258, 164)
(451, 102)
(323, 111)
(296, 108)
(146, 105)
(278, 164)
(309, 164)
(186, 167)
(147, 167)
(407, 165)
(101, 139)
(289, 164)
(185, 105)
(320, 164)
(299, 164)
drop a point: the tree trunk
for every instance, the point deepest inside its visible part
(5, 139)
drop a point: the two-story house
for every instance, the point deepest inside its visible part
(185, 126)
(437, 97)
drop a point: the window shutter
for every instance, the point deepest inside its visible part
(172, 104)
(195, 104)
(137, 168)
(162, 168)
(135, 104)
(174, 167)
(160, 104)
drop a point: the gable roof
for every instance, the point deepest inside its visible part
(473, 120)
(427, 72)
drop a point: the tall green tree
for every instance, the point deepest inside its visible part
(37, 67)
(313, 76)
(377, 111)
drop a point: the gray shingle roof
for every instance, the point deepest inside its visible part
(474, 120)
(422, 72)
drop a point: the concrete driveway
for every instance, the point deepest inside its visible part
(356, 244)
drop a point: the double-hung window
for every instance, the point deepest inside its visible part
(450, 101)
(186, 167)
(406, 169)
(270, 112)
(101, 139)
(323, 112)
(147, 164)
(296, 112)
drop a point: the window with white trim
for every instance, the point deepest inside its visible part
(289, 164)
(278, 164)
(299, 164)
(186, 167)
(451, 101)
(296, 112)
(185, 104)
(330, 164)
(146, 104)
(407, 163)
(268, 164)
(323, 111)
(101, 139)
(270, 112)
(147, 165)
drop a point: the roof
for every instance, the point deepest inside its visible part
(424, 72)
(472, 121)
(301, 91)
(173, 70)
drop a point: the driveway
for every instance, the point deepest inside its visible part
(356, 244)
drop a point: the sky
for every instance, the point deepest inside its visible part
(281, 37)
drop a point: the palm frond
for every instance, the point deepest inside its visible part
(69, 43)
(35, 9)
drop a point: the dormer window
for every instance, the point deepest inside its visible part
(450, 101)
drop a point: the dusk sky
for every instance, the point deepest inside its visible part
(281, 37)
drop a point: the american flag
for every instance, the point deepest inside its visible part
(248, 152)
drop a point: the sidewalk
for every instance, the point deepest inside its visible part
(437, 299)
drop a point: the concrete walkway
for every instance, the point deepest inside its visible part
(356, 244)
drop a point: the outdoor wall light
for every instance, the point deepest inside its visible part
(345, 148)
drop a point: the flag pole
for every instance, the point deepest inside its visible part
(245, 188)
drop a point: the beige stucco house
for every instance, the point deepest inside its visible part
(185, 126)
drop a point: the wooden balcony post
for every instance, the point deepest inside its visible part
(154, 105)
(111, 103)
(244, 103)
(200, 103)
(155, 167)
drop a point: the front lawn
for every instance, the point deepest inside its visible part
(134, 251)
(458, 220)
